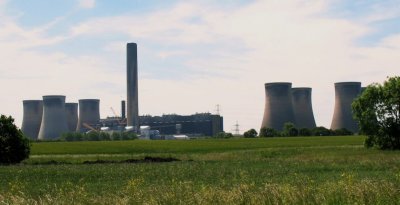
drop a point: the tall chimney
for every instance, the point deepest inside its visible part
(123, 109)
(132, 86)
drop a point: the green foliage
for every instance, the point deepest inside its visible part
(97, 136)
(269, 132)
(377, 111)
(224, 135)
(116, 136)
(289, 130)
(252, 133)
(305, 132)
(14, 146)
(342, 132)
(321, 131)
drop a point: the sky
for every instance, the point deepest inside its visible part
(194, 55)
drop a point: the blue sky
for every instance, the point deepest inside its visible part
(194, 54)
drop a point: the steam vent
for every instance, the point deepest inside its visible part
(132, 86)
(278, 105)
(302, 108)
(33, 110)
(89, 113)
(71, 111)
(54, 122)
(345, 93)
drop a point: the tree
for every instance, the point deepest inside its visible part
(321, 131)
(305, 132)
(14, 146)
(252, 133)
(290, 130)
(378, 115)
(269, 132)
(342, 132)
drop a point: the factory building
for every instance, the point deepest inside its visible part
(32, 118)
(54, 121)
(345, 93)
(302, 108)
(278, 108)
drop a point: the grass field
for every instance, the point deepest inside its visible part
(309, 170)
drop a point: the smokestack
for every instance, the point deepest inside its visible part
(302, 108)
(278, 105)
(54, 121)
(132, 86)
(33, 111)
(71, 111)
(345, 93)
(123, 107)
(89, 113)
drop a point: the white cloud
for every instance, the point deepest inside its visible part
(86, 4)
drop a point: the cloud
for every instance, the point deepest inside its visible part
(86, 4)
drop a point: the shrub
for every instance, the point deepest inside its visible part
(305, 132)
(14, 146)
(269, 132)
(252, 133)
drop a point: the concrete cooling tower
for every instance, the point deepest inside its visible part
(345, 93)
(54, 121)
(302, 108)
(132, 86)
(71, 111)
(89, 113)
(278, 105)
(33, 110)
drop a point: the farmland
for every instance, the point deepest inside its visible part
(312, 170)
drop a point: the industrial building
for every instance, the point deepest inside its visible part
(54, 121)
(53, 117)
(345, 93)
(278, 105)
(302, 108)
(32, 119)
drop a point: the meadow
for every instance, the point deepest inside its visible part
(297, 170)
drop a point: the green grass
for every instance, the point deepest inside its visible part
(311, 170)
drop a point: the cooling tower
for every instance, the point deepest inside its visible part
(89, 113)
(71, 110)
(278, 105)
(345, 93)
(132, 86)
(123, 107)
(302, 108)
(54, 121)
(33, 110)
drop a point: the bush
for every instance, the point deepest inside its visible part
(290, 130)
(269, 132)
(14, 146)
(305, 132)
(321, 131)
(342, 132)
(252, 133)
(224, 135)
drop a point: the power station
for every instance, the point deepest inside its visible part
(33, 110)
(278, 105)
(345, 93)
(47, 119)
(89, 113)
(302, 107)
(71, 111)
(54, 121)
(53, 117)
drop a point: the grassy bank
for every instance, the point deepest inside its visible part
(312, 170)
